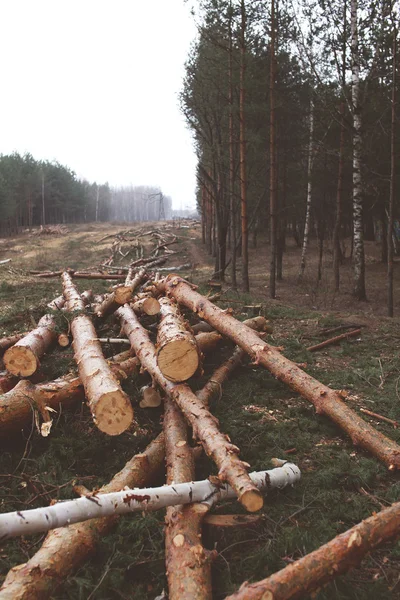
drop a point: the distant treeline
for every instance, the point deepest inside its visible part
(36, 193)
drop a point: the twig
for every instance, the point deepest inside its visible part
(334, 340)
(380, 417)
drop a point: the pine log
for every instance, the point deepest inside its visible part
(17, 405)
(314, 570)
(325, 400)
(213, 388)
(207, 342)
(121, 294)
(10, 340)
(64, 550)
(36, 520)
(22, 359)
(334, 340)
(201, 327)
(178, 355)
(204, 425)
(146, 306)
(188, 563)
(7, 382)
(110, 407)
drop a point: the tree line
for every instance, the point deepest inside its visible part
(34, 192)
(293, 111)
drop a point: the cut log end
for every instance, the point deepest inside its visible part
(123, 294)
(21, 361)
(178, 360)
(113, 412)
(63, 340)
(151, 306)
(252, 500)
(151, 397)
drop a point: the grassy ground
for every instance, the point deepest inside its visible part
(340, 484)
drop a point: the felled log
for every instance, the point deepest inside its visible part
(23, 359)
(79, 275)
(178, 355)
(36, 520)
(147, 305)
(201, 327)
(110, 407)
(17, 405)
(188, 563)
(325, 400)
(314, 570)
(204, 425)
(334, 340)
(7, 382)
(207, 342)
(64, 550)
(150, 397)
(7, 342)
(121, 294)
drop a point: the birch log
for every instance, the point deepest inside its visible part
(36, 520)
(341, 554)
(325, 400)
(23, 359)
(204, 425)
(178, 355)
(17, 406)
(64, 550)
(110, 407)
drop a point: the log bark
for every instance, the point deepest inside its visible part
(207, 342)
(121, 295)
(65, 549)
(17, 405)
(334, 340)
(7, 382)
(216, 445)
(146, 306)
(9, 341)
(188, 563)
(325, 400)
(80, 275)
(178, 355)
(110, 407)
(36, 520)
(23, 359)
(330, 560)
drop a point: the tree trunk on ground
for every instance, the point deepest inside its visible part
(9, 341)
(325, 400)
(22, 359)
(358, 235)
(242, 149)
(188, 563)
(121, 295)
(272, 158)
(207, 341)
(17, 406)
(65, 549)
(392, 184)
(204, 425)
(307, 223)
(313, 571)
(178, 355)
(110, 407)
(147, 305)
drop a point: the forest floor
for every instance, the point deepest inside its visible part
(340, 484)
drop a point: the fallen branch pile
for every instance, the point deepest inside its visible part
(163, 361)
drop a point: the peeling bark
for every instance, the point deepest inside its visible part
(204, 425)
(110, 407)
(325, 400)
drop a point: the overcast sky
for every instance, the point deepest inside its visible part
(94, 84)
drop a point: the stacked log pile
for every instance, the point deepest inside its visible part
(166, 352)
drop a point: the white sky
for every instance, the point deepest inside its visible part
(94, 84)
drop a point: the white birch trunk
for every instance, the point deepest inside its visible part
(94, 506)
(309, 191)
(358, 236)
